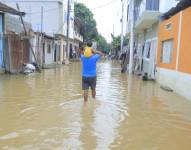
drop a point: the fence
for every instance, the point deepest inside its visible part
(16, 52)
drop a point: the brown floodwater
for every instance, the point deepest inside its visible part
(46, 112)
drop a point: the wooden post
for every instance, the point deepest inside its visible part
(38, 67)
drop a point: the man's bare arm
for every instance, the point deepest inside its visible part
(97, 52)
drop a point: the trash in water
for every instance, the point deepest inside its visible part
(28, 68)
(166, 88)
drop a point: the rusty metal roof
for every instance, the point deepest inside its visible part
(7, 9)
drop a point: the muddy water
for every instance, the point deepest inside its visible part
(46, 112)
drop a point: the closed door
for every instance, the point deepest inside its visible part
(153, 59)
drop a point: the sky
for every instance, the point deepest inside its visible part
(107, 14)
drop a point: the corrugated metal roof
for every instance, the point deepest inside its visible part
(6, 9)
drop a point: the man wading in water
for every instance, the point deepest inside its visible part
(89, 58)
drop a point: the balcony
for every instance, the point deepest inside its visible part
(146, 14)
(78, 36)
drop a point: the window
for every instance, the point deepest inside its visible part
(48, 48)
(147, 50)
(166, 52)
(168, 26)
(152, 5)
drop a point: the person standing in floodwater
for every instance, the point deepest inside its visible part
(89, 58)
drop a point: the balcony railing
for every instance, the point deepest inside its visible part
(78, 36)
(146, 5)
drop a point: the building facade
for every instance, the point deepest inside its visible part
(173, 59)
(49, 17)
(162, 41)
(14, 44)
(146, 21)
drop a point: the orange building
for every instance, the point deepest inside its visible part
(174, 52)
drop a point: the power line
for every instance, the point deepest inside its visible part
(53, 9)
(104, 5)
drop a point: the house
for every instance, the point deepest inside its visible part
(61, 40)
(174, 49)
(78, 39)
(146, 22)
(36, 41)
(48, 51)
(49, 17)
(14, 45)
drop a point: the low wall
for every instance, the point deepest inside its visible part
(178, 81)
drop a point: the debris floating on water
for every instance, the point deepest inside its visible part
(166, 88)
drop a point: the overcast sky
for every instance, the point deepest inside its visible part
(106, 13)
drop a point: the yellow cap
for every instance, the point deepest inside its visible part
(88, 52)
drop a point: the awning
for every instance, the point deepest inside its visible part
(6, 9)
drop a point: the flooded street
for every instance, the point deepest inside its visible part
(46, 112)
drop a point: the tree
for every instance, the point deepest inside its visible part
(126, 40)
(115, 44)
(102, 44)
(90, 30)
(86, 16)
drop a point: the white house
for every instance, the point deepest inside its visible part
(49, 17)
(146, 22)
(48, 51)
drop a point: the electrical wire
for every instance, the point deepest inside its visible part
(53, 9)
(104, 5)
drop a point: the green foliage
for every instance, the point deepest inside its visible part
(115, 44)
(126, 40)
(86, 16)
(90, 30)
(102, 44)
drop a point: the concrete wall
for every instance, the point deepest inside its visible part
(152, 32)
(54, 15)
(63, 50)
(176, 74)
(13, 24)
(165, 34)
(149, 35)
(180, 32)
(178, 81)
(36, 43)
(33, 15)
(49, 56)
(184, 62)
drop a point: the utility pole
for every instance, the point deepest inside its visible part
(42, 11)
(122, 21)
(25, 31)
(113, 30)
(68, 30)
(131, 38)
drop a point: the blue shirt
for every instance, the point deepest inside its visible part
(89, 65)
